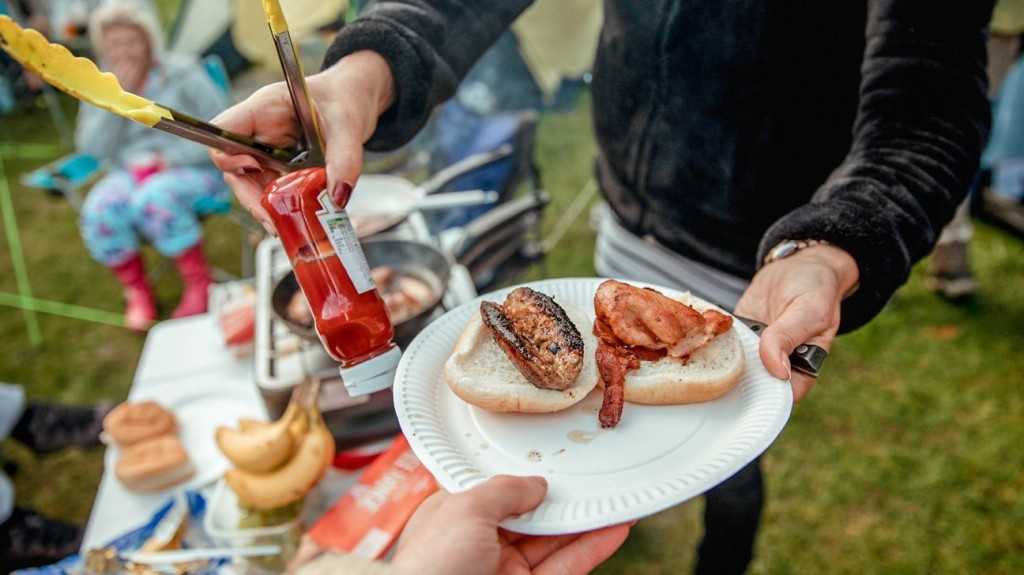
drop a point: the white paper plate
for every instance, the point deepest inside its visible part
(200, 406)
(657, 457)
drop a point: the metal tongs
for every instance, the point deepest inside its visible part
(309, 152)
(185, 126)
(312, 152)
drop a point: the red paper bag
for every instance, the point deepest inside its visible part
(368, 518)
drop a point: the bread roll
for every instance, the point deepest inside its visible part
(131, 422)
(480, 373)
(153, 464)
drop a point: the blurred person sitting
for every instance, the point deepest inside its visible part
(159, 186)
(28, 538)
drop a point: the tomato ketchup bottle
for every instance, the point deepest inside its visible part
(349, 315)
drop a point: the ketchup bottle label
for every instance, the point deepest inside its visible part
(342, 235)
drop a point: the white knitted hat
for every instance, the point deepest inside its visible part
(127, 12)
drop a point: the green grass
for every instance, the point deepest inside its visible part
(905, 458)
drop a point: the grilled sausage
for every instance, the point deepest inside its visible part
(537, 336)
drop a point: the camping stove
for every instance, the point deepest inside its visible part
(284, 360)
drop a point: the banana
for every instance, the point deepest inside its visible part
(298, 428)
(318, 426)
(246, 424)
(261, 447)
(288, 483)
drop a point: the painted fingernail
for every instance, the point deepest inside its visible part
(271, 231)
(249, 171)
(342, 193)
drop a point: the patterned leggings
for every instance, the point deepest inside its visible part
(164, 210)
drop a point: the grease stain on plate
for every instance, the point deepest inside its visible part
(583, 437)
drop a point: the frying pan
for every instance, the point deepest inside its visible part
(405, 257)
(380, 202)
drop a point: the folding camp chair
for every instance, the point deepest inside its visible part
(66, 176)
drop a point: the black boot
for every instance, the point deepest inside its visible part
(46, 427)
(28, 539)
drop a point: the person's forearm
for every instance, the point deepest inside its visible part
(372, 71)
(922, 121)
(429, 46)
(839, 261)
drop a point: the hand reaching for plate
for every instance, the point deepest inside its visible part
(459, 534)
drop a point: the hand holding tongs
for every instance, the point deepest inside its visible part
(310, 151)
(80, 78)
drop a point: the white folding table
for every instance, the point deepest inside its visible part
(185, 366)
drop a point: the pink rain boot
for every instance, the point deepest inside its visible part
(140, 311)
(195, 275)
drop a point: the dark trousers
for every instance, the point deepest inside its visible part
(732, 512)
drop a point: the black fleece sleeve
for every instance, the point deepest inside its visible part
(430, 46)
(922, 121)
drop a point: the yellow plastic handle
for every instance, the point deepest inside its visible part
(75, 75)
(275, 17)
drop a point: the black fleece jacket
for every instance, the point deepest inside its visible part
(727, 126)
